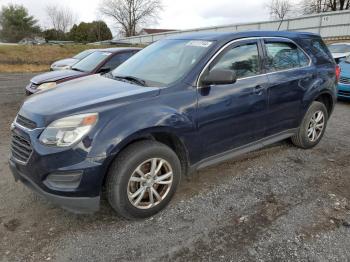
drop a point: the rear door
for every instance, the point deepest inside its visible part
(233, 115)
(290, 74)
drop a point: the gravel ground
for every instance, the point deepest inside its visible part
(277, 204)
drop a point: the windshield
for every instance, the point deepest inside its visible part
(341, 48)
(83, 54)
(90, 62)
(163, 62)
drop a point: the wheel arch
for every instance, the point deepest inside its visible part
(163, 135)
(327, 99)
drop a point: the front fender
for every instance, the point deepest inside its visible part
(131, 125)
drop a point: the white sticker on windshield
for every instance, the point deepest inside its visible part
(199, 43)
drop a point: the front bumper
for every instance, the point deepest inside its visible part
(343, 91)
(67, 177)
(73, 204)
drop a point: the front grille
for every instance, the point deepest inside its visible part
(344, 80)
(25, 122)
(344, 93)
(21, 148)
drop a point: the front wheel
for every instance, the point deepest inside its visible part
(143, 179)
(312, 127)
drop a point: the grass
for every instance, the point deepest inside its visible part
(21, 58)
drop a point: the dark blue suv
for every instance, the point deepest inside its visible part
(179, 105)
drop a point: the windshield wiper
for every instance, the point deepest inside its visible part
(133, 79)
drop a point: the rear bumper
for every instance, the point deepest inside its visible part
(73, 204)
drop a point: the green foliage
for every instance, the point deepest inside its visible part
(53, 34)
(16, 23)
(90, 32)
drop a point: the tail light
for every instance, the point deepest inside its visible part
(337, 72)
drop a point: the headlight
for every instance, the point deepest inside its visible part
(46, 86)
(69, 130)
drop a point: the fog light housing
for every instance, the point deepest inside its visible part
(63, 181)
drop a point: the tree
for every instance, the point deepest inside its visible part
(279, 9)
(61, 18)
(53, 34)
(16, 23)
(130, 15)
(320, 6)
(90, 32)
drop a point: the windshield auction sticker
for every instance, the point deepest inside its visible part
(199, 43)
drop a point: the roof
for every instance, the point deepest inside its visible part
(216, 36)
(156, 31)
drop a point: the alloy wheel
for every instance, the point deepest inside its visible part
(150, 183)
(316, 126)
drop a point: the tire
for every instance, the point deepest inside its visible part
(304, 137)
(120, 184)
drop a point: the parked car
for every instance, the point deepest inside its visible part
(67, 63)
(344, 81)
(37, 40)
(339, 51)
(101, 61)
(180, 104)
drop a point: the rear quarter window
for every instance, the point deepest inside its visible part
(319, 51)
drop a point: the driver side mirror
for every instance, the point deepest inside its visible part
(219, 77)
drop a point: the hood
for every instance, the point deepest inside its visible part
(84, 94)
(54, 76)
(65, 62)
(345, 69)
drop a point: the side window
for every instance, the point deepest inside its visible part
(243, 59)
(282, 56)
(117, 60)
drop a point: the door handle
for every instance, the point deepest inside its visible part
(258, 89)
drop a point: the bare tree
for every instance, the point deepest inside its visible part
(61, 17)
(130, 15)
(320, 6)
(279, 9)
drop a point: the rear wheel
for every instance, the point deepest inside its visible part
(143, 179)
(312, 127)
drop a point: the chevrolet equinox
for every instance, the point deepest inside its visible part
(181, 104)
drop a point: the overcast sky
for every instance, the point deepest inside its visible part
(177, 14)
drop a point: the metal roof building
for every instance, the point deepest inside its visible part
(328, 25)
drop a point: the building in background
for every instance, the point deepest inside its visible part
(149, 31)
(330, 25)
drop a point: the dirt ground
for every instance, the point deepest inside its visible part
(277, 204)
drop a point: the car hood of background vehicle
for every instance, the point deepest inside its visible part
(83, 94)
(65, 62)
(54, 76)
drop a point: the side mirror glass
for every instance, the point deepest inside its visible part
(219, 77)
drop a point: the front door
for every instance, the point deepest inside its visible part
(230, 116)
